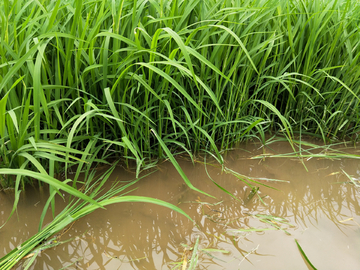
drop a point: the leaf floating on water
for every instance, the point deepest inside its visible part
(276, 222)
(252, 230)
(346, 220)
(212, 256)
(351, 179)
(305, 257)
(251, 251)
(333, 173)
(215, 250)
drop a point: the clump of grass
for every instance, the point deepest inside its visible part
(199, 74)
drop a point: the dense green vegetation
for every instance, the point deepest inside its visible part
(195, 74)
(94, 81)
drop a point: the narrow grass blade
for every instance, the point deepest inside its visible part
(304, 255)
(51, 181)
(176, 165)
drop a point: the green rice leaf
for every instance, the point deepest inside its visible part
(304, 255)
(177, 166)
(51, 181)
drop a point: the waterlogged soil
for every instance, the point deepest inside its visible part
(314, 204)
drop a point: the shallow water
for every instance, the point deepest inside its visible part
(321, 208)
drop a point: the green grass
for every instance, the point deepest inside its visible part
(202, 75)
(91, 81)
(91, 197)
(304, 256)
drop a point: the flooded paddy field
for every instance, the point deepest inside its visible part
(314, 203)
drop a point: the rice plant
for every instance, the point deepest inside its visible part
(202, 75)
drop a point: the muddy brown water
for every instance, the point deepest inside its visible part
(321, 206)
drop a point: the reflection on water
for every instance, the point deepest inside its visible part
(321, 211)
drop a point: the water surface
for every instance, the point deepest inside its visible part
(315, 198)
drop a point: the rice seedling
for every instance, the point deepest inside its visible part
(201, 75)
